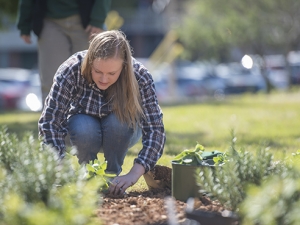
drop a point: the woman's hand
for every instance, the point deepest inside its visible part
(119, 184)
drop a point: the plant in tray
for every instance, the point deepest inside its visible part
(184, 167)
(199, 157)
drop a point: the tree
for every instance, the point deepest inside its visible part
(211, 28)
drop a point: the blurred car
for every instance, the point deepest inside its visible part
(15, 86)
(13, 81)
(31, 99)
(294, 64)
(277, 72)
(295, 73)
(278, 77)
(238, 79)
(189, 77)
(187, 81)
(214, 86)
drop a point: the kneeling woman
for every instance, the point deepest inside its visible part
(106, 101)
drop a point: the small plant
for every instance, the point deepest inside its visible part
(198, 156)
(97, 169)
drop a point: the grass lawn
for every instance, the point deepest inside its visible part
(259, 120)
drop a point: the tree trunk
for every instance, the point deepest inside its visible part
(264, 73)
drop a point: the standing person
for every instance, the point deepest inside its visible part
(106, 101)
(63, 27)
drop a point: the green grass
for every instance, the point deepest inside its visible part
(258, 120)
(20, 122)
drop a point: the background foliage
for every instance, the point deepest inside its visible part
(8, 11)
(211, 29)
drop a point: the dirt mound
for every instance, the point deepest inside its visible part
(159, 177)
(163, 173)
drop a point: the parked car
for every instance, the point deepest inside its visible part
(17, 87)
(13, 81)
(189, 78)
(239, 79)
(294, 64)
(214, 86)
(278, 77)
(277, 72)
(31, 100)
(187, 81)
(295, 73)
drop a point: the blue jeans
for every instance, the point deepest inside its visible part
(91, 135)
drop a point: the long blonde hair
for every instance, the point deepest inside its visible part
(125, 95)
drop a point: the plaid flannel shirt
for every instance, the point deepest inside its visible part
(72, 94)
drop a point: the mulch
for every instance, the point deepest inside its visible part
(151, 207)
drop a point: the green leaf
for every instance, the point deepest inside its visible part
(198, 158)
(181, 155)
(90, 168)
(100, 172)
(199, 148)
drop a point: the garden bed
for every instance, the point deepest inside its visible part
(148, 207)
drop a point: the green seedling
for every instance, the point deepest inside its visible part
(96, 169)
(198, 156)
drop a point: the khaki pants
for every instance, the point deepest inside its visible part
(60, 38)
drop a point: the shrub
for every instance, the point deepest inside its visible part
(228, 182)
(275, 202)
(35, 185)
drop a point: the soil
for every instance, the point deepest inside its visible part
(149, 207)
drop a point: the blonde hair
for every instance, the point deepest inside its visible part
(125, 95)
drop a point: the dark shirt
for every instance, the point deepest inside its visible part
(62, 8)
(32, 12)
(71, 94)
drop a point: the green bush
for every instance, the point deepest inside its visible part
(72, 204)
(228, 182)
(35, 185)
(275, 202)
(7, 147)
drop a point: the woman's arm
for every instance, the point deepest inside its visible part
(154, 137)
(53, 121)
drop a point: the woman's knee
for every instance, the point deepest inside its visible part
(85, 135)
(83, 126)
(112, 124)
